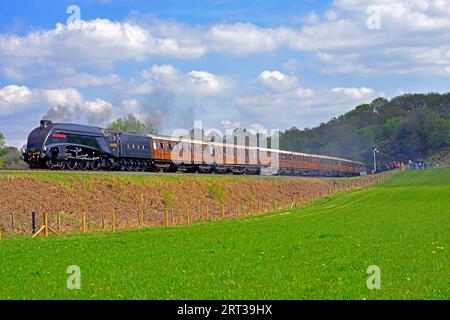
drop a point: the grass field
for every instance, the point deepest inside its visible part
(319, 252)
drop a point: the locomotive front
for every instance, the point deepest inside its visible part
(35, 151)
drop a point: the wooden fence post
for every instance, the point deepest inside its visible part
(83, 221)
(142, 218)
(113, 221)
(166, 217)
(58, 222)
(13, 222)
(103, 220)
(1, 231)
(33, 222)
(46, 224)
(188, 216)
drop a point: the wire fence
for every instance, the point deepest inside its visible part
(36, 223)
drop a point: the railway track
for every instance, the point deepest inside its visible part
(150, 174)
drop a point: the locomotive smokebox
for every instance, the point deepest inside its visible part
(45, 123)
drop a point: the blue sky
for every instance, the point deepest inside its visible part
(228, 63)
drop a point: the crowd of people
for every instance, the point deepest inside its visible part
(395, 165)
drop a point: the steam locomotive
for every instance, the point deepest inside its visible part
(78, 147)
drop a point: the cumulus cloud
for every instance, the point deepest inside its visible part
(99, 42)
(409, 30)
(166, 79)
(354, 93)
(12, 97)
(244, 38)
(277, 81)
(63, 104)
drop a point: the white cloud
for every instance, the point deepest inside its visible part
(227, 124)
(302, 107)
(13, 94)
(166, 79)
(63, 104)
(73, 79)
(244, 38)
(14, 97)
(354, 93)
(99, 42)
(409, 28)
(277, 81)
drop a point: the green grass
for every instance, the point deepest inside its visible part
(319, 252)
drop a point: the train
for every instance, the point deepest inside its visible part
(64, 146)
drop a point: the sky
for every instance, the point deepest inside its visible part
(271, 64)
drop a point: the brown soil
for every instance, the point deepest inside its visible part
(163, 202)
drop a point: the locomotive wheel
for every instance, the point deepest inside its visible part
(72, 164)
(84, 165)
(96, 165)
(50, 164)
(62, 165)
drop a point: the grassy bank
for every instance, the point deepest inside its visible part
(319, 252)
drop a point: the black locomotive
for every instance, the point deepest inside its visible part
(72, 146)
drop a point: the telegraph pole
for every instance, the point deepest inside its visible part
(375, 151)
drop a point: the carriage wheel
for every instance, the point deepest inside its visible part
(110, 164)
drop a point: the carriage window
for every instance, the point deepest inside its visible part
(161, 146)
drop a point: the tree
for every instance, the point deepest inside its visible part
(408, 127)
(130, 123)
(12, 159)
(3, 150)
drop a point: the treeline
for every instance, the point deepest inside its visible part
(10, 157)
(408, 127)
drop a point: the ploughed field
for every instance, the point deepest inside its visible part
(321, 251)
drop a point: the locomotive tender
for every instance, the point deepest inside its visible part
(78, 147)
